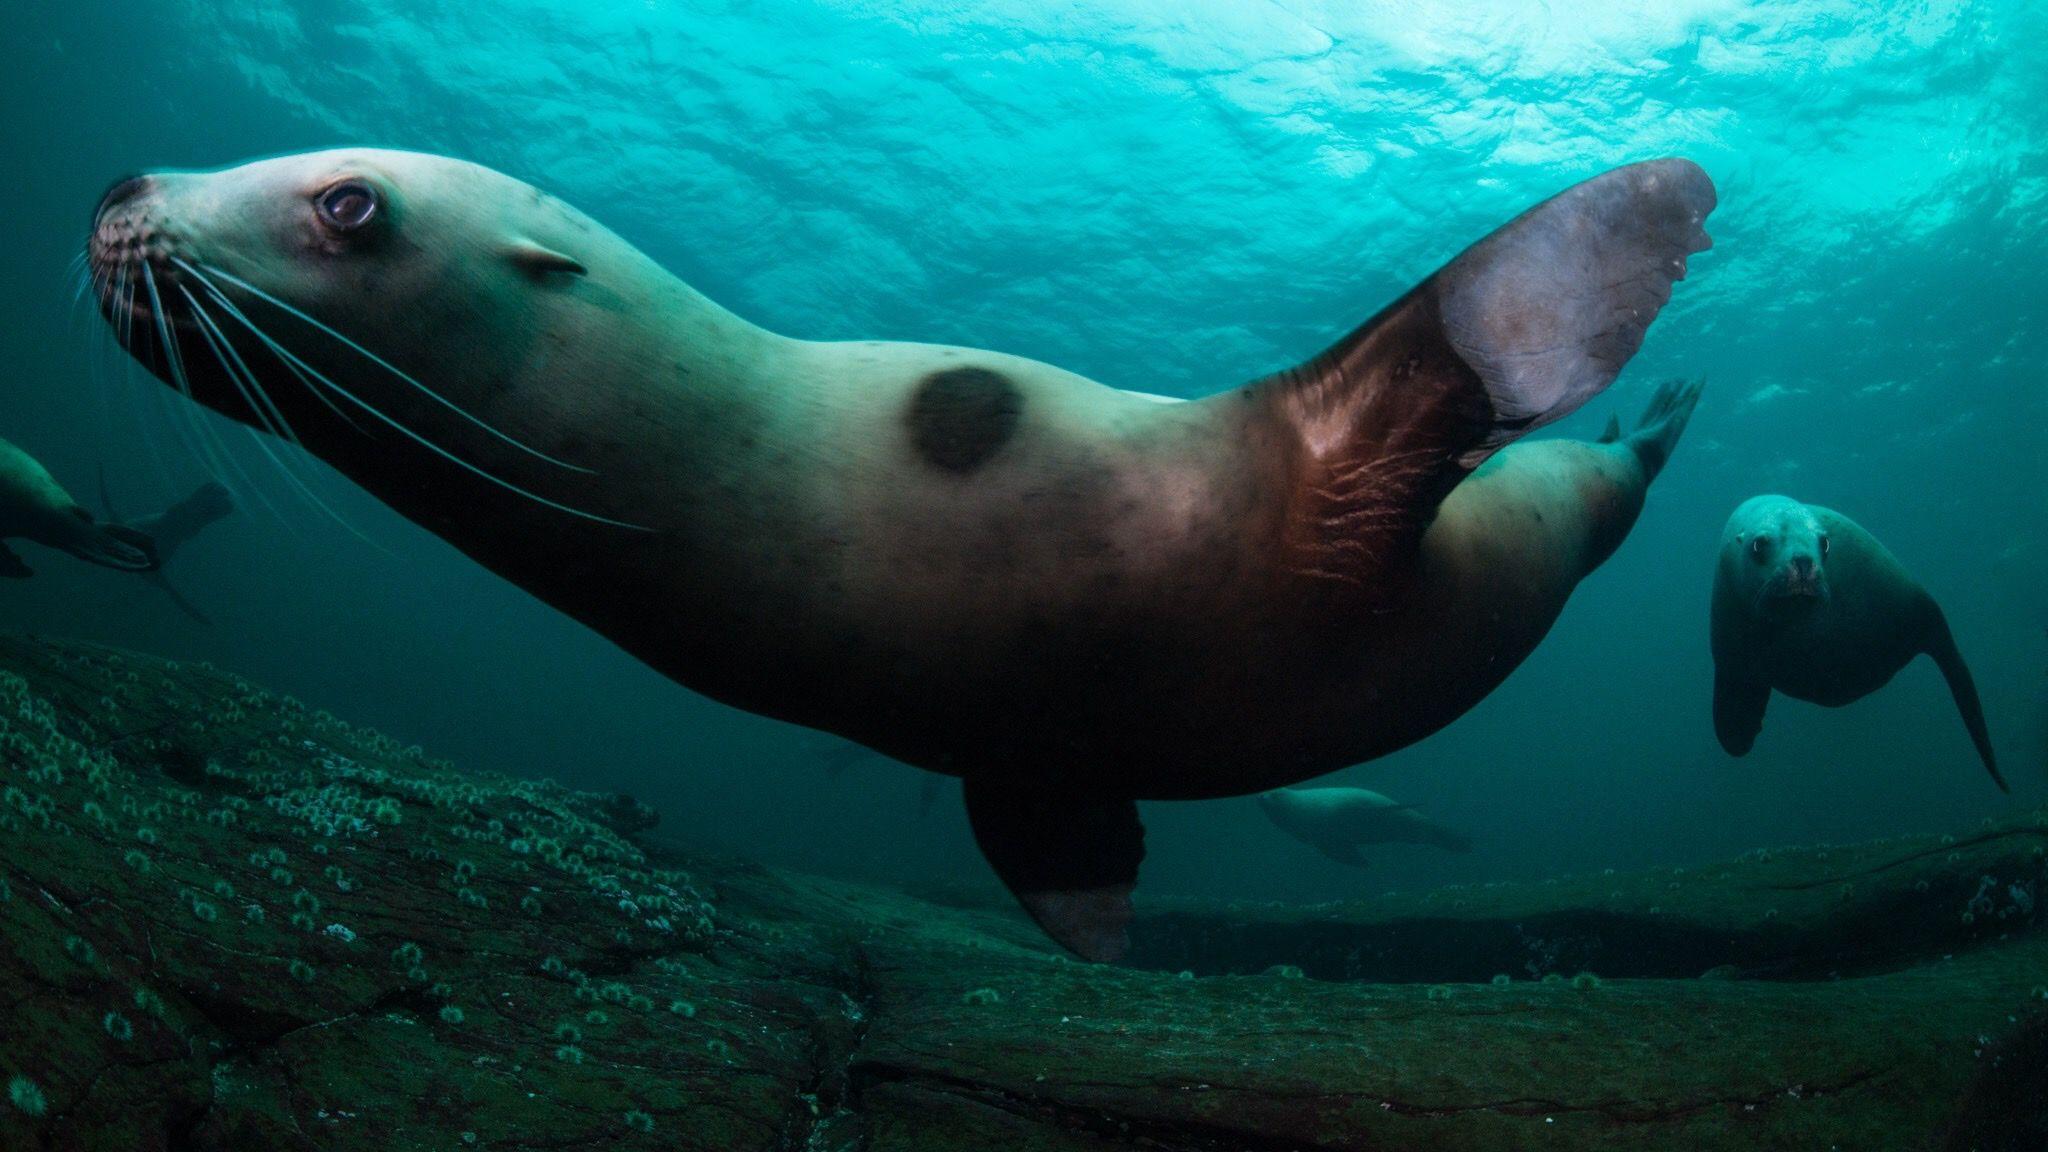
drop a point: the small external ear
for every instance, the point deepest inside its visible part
(539, 260)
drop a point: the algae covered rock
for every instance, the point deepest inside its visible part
(231, 922)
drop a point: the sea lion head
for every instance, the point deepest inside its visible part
(430, 301)
(1775, 551)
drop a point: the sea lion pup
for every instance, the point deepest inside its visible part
(172, 529)
(1068, 595)
(1339, 821)
(33, 506)
(1808, 603)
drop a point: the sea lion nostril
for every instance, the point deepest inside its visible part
(124, 190)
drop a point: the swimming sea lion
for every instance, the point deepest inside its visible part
(33, 506)
(1069, 595)
(1808, 603)
(172, 529)
(1339, 821)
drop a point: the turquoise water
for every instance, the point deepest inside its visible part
(1168, 197)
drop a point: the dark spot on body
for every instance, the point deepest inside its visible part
(961, 417)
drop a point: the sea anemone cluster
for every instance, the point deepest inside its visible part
(327, 860)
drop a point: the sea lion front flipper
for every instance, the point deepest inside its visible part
(1517, 331)
(12, 566)
(1941, 644)
(1738, 711)
(1071, 859)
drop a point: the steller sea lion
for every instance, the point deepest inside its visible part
(1809, 604)
(1069, 595)
(1339, 821)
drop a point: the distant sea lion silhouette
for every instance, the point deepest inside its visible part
(33, 506)
(1069, 595)
(1339, 821)
(1808, 603)
(172, 529)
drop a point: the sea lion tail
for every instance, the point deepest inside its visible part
(1663, 422)
(1941, 645)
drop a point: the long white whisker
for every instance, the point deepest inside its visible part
(220, 343)
(250, 394)
(103, 356)
(212, 450)
(258, 401)
(204, 425)
(276, 350)
(127, 312)
(260, 294)
(313, 497)
(291, 358)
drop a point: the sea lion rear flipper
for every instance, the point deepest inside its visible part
(177, 525)
(1663, 422)
(186, 606)
(1941, 644)
(1517, 331)
(1071, 859)
(1738, 711)
(12, 566)
(1612, 432)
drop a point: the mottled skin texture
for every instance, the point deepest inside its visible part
(1070, 595)
(1339, 822)
(1809, 604)
(33, 506)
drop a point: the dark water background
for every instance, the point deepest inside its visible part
(1168, 197)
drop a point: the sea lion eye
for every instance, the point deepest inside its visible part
(1756, 547)
(347, 207)
(1823, 545)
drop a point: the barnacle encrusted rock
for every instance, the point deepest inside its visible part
(228, 921)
